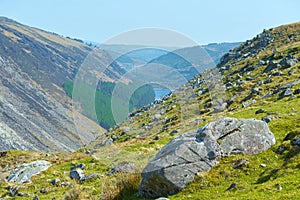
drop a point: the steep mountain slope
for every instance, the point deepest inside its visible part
(259, 79)
(35, 112)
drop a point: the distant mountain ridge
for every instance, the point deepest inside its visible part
(142, 55)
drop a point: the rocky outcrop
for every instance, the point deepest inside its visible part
(24, 172)
(198, 151)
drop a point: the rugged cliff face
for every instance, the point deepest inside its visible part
(35, 112)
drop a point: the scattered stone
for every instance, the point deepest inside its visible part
(125, 130)
(35, 198)
(296, 143)
(255, 90)
(63, 184)
(291, 72)
(80, 166)
(22, 194)
(177, 163)
(261, 62)
(259, 111)
(24, 172)
(286, 86)
(281, 149)
(278, 187)
(13, 190)
(268, 80)
(77, 174)
(277, 74)
(44, 190)
(291, 135)
(123, 167)
(54, 181)
(250, 78)
(174, 132)
(248, 103)
(288, 62)
(231, 187)
(271, 66)
(107, 142)
(268, 118)
(91, 176)
(297, 91)
(156, 138)
(127, 139)
(157, 116)
(228, 85)
(286, 93)
(263, 165)
(3, 154)
(240, 163)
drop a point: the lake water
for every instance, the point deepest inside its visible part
(160, 93)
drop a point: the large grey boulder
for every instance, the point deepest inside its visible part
(25, 171)
(198, 151)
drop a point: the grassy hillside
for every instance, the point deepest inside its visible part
(273, 174)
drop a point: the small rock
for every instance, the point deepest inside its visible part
(127, 139)
(277, 74)
(54, 181)
(107, 142)
(91, 176)
(157, 116)
(22, 194)
(255, 90)
(278, 187)
(44, 190)
(280, 149)
(229, 84)
(261, 62)
(248, 103)
(156, 138)
(297, 91)
(77, 174)
(231, 187)
(172, 133)
(13, 190)
(240, 163)
(286, 93)
(162, 198)
(63, 184)
(288, 61)
(272, 65)
(296, 143)
(128, 167)
(268, 118)
(263, 165)
(3, 154)
(259, 111)
(80, 166)
(35, 198)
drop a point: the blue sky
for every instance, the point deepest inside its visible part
(203, 21)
